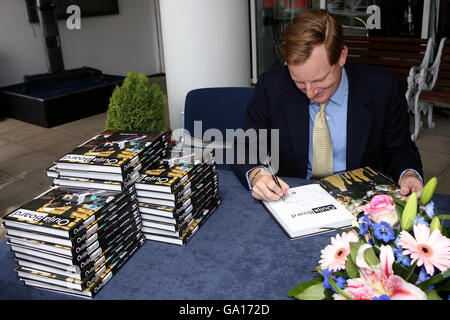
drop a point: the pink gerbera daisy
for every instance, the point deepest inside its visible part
(428, 250)
(335, 254)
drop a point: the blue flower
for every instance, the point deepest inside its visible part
(424, 276)
(429, 209)
(420, 219)
(383, 231)
(404, 260)
(364, 225)
(382, 297)
(339, 280)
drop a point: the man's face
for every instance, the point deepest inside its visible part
(316, 77)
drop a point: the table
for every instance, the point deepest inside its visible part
(240, 253)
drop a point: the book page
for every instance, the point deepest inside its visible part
(307, 209)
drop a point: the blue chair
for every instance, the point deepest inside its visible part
(218, 107)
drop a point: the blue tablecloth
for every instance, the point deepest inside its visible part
(239, 253)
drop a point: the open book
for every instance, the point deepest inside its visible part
(308, 210)
(355, 188)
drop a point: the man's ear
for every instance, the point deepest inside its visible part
(343, 56)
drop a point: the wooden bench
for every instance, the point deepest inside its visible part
(433, 87)
(397, 55)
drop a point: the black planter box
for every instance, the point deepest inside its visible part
(52, 101)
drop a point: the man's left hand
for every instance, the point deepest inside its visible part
(410, 183)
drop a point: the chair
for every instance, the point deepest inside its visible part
(414, 74)
(397, 55)
(218, 107)
(433, 87)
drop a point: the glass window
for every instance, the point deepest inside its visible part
(387, 18)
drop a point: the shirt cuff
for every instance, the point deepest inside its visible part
(248, 180)
(405, 171)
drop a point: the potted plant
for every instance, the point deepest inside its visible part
(136, 106)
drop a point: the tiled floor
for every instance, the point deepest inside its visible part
(27, 150)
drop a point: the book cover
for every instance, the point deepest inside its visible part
(170, 179)
(110, 151)
(63, 212)
(355, 188)
(308, 210)
(146, 162)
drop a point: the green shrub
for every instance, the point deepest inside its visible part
(136, 106)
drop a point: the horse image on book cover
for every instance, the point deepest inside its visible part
(355, 188)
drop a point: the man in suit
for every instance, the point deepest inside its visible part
(365, 112)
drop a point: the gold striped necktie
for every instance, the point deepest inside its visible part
(322, 149)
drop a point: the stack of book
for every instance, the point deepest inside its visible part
(74, 240)
(177, 198)
(111, 160)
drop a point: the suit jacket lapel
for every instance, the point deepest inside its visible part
(359, 120)
(296, 110)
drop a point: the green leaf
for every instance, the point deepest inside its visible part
(314, 292)
(298, 289)
(433, 295)
(444, 286)
(354, 247)
(443, 217)
(434, 280)
(351, 268)
(399, 211)
(399, 202)
(403, 272)
(338, 290)
(410, 271)
(371, 258)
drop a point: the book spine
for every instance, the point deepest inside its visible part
(199, 202)
(87, 267)
(197, 169)
(81, 226)
(203, 173)
(192, 229)
(183, 222)
(105, 237)
(93, 262)
(116, 265)
(92, 224)
(180, 225)
(207, 180)
(154, 144)
(188, 235)
(89, 280)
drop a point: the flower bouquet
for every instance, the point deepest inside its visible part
(396, 250)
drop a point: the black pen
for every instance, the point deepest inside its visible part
(272, 172)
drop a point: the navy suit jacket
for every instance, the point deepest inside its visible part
(377, 122)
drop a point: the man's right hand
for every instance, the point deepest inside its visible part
(264, 187)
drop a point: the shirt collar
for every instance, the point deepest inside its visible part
(339, 95)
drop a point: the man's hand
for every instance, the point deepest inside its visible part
(264, 187)
(409, 183)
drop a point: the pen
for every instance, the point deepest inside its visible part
(272, 172)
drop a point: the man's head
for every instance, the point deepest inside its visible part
(313, 47)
